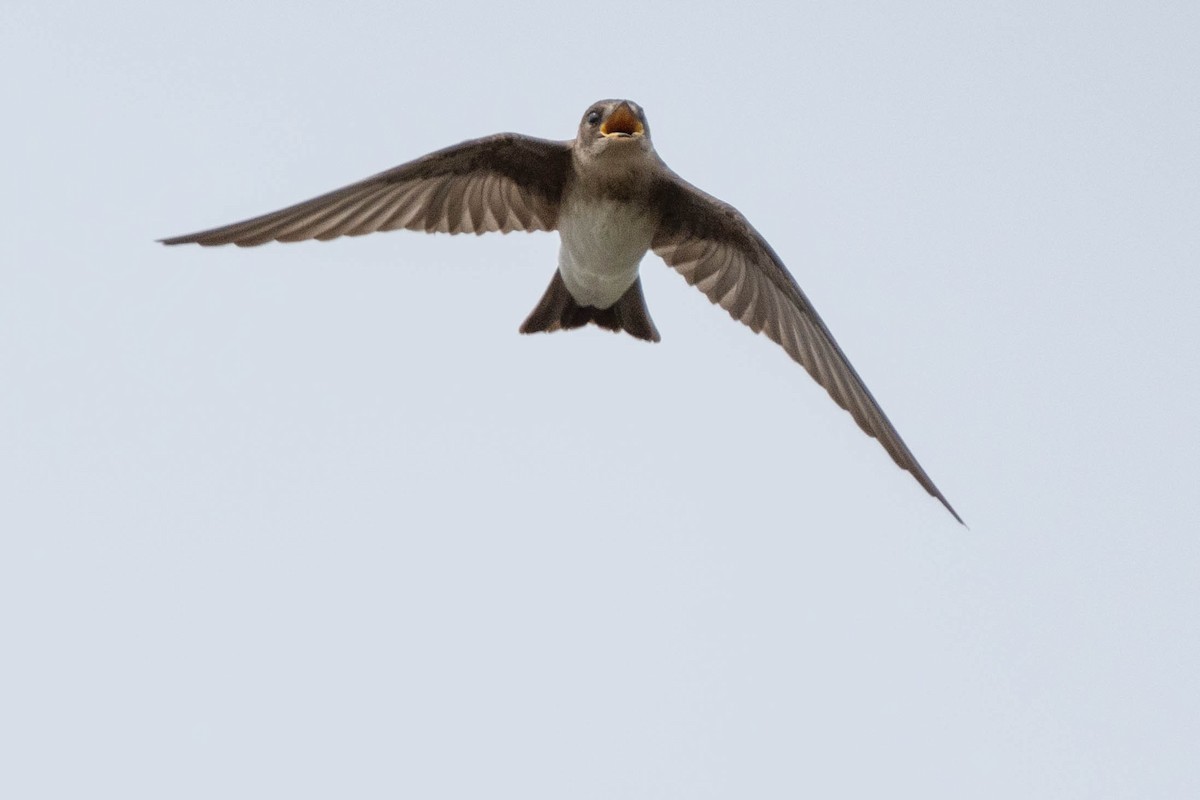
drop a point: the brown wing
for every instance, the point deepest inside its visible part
(505, 182)
(715, 249)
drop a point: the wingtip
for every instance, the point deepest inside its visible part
(202, 240)
(953, 513)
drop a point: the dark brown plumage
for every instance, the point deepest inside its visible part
(558, 311)
(612, 199)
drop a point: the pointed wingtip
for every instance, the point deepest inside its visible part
(953, 513)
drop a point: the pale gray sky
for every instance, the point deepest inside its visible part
(315, 521)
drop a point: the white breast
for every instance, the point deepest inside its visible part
(603, 242)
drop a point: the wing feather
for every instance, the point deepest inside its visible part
(506, 182)
(715, 249)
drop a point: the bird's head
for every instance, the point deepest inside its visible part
(613, 128)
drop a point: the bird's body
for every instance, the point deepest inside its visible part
(611, 199)
(603, 243)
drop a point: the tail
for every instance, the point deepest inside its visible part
(557, 310)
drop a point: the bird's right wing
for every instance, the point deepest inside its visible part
(507, 182)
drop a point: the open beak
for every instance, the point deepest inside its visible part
(622, 122)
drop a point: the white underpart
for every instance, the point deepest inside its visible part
(603, 242)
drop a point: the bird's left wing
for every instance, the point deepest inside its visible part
(507, 182)
(716, 250)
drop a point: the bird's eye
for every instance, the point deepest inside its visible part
(593, 117)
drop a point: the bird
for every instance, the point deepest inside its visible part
(612, 199)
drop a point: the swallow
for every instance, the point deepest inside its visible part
(612, 199)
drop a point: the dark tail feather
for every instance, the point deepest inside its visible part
(557, 310)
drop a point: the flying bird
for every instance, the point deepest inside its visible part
(611, 199)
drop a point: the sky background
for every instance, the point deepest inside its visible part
(315, 521)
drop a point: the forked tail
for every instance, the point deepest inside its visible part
(557, 310)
